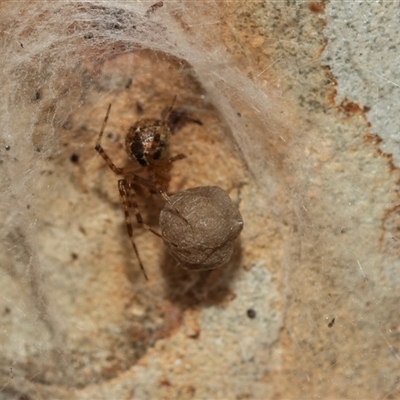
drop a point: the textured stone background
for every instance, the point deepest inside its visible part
(317, 261)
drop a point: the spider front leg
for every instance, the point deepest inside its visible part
(101, 151)
(159, 188)
(179, 156)
(154, 179)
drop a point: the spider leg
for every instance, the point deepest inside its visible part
(154, 7)
(165, 131)
(179, 156)
(160, 190)
(101, 151)
(128, 195)
(168, 113)
(126, 203)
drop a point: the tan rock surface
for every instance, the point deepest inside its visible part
(308, 305)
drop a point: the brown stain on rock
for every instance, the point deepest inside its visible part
(350, 108)
(390, 232)
(317, 7)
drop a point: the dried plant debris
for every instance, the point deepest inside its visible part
(204, 234)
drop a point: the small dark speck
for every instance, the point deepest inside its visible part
(28, 207)
(74, 158)
(251, 313)
(139, 108)
(113, 26)
(36, 96)
(74, 256)
(67, 125)
(21, 44)
(331, 323)
(7, 310)
(8, 147)
(195, 335)
(38, 149)
(128, 83)
(82, 230)
(238, 114)
(88, 35)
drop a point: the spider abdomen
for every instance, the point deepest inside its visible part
(147, 140)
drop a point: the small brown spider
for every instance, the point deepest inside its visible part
(146, 143)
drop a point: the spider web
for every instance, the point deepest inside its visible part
(315, 266)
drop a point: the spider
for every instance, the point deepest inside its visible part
(146, 143)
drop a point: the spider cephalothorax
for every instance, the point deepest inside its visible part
(147, 140)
